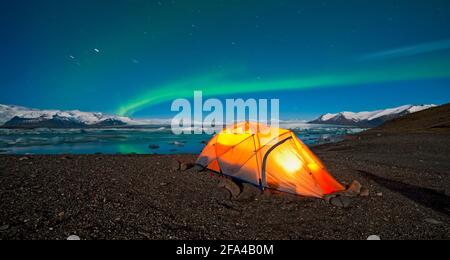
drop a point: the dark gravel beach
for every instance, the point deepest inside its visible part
(148, 197)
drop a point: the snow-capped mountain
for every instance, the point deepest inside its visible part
(17, 116)
(369, 118)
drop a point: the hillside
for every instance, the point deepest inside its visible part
(435, 119)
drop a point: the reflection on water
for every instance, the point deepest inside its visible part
(145, 140)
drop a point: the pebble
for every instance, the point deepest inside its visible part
(374, 238)
(73, 238)
(364, 192)
(4, 227)
(433, 221)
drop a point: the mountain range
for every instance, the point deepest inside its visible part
(23, 117)
(369, 119)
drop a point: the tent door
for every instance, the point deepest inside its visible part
(266, 156)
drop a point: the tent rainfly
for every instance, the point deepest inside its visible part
(269, 158)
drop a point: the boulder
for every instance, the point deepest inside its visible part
(186, 166)
(249, 192)
(231, 186)
(341, 202)
(221, 194)
(328, 197)
(355, 188)
(174, 165)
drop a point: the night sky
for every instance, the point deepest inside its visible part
(134, 57)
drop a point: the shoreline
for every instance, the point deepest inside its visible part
(144, 197)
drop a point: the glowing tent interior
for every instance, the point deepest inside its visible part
(270, 158)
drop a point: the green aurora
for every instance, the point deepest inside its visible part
(214, 85)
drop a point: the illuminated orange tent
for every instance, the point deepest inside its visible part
(270, 158)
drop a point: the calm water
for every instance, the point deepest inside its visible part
(146, 140)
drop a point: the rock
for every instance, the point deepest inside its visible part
(374, 238)
(61, 216)
(146, 235)
(186, 166)
(222, 194)
(73, 238)
(174, 165)
(433, 221)
(24, 158)
(153, 146)
(354, 188)
(231, 186)
(199, 168)
(380, 194)
(328, 197)
(249, 192)
(341, 202)
(364, 192)
(226, 203)
(4, 228)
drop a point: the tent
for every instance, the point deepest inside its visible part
(269, 158)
